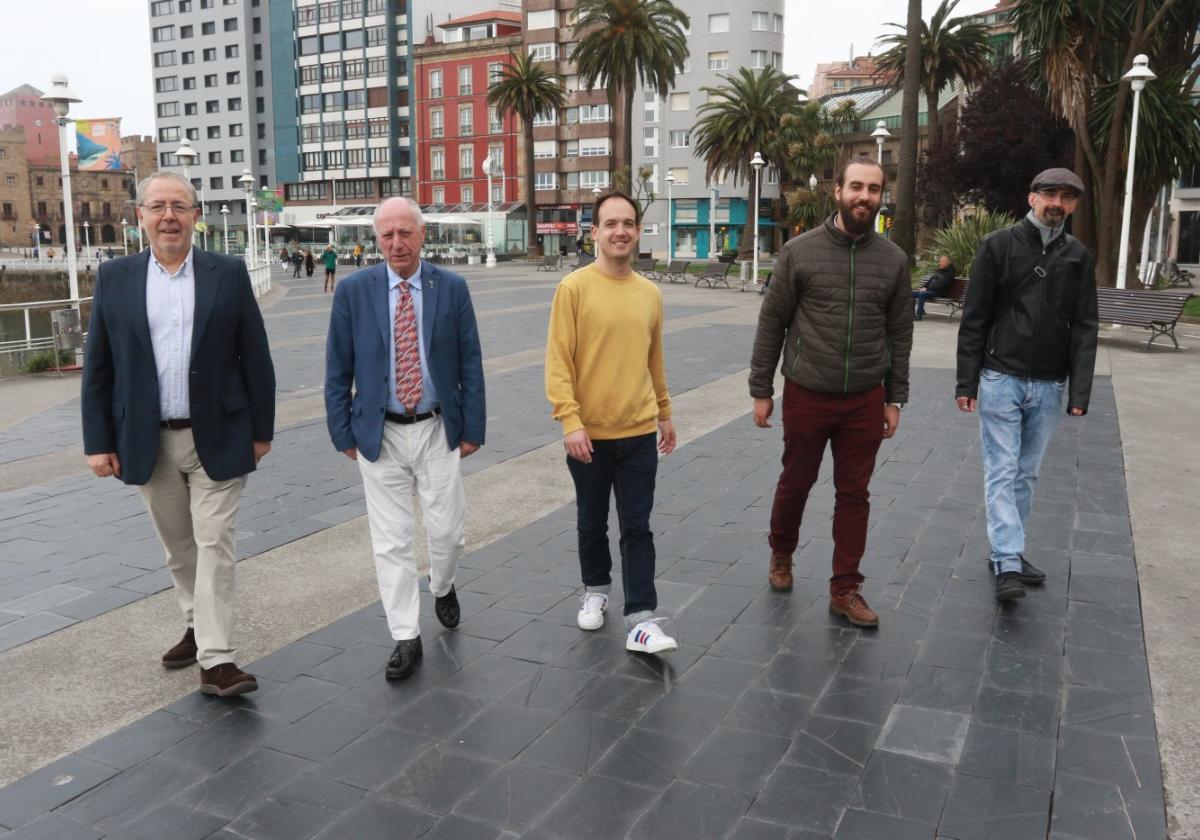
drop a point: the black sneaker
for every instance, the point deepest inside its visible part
(1008, 586)
(1031, 575)
(446, 609)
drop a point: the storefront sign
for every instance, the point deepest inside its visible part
(557, 227)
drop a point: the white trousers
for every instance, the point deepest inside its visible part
(414, 457)
(195, 518)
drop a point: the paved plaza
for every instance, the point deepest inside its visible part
(956, 719)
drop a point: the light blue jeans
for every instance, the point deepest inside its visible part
(1016, 421)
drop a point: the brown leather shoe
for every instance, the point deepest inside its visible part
(854, 608)
(780, 576)
(183, 654)
(226, 680)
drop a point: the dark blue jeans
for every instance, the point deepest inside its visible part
(625, 468)
(920, 296)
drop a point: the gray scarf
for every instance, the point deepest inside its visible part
(1048, 233)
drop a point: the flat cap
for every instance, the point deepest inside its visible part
(1057, 177)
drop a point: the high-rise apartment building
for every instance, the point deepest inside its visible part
(720, 40)
(212, 86)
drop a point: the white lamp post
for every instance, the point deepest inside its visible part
(880, 134)
(670, 239)
(204, 218)
(61, 98)
(35, 236)
(1137, 76)
(491, 168)
(225, 226)
(713, 195)
(87, 242)
(187, 156)
(124, 238)
(758, 163)
(247, 182)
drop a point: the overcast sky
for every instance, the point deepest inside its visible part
(104, 47)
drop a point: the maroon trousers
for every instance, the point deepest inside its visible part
(853, 425)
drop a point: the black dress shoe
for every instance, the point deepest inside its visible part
(1008, 586)
(1031, 575)
(446, 609)
(405, 658)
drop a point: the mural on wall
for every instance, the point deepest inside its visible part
(98, 143)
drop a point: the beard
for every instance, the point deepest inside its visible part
(1052, 218)
(852, 224)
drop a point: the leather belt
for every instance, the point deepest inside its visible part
(405, 419)
(181, 423)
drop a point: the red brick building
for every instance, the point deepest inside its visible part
(23, 106)
(455, 127)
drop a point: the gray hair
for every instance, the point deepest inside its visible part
(413, 208)
(165, 176)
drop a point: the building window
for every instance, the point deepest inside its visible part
(210, 81)
(214, 157)
(777, 60)
(231, 51)
(495, 73)
(718, 23)
(466, 121)
(335, 159)
(193, 133)
(217, 182)
(594, 147)
(777, 23)
(759, 59)
(353, 40)
(680, 174)
(594, 113)
(681, 101)
(187, 57)
(545, 180)
(234, 103)
(546, 19)
(571, 149)
(681, 139)
(214, 132)
(237, 156)
(186, 32)
(311, 191)
(260, 105)
(650, 142)
(439, 195)
(591, 179)
(496, 152)
(161, 7)
(466, 161)
(467, 195)
(651, 111)
(495, 121)
(160, 34)
(310, 161)
(464, 81)
(209, 28)
(545, 118)
(543, 52)
(191, 109)
(310, 45)
(376, 67)
(381, 156)
(545, 148)
(377, 36)
(170, 134)
(164, 59)
(168, 109)
(650, 229)
(231, 25)
(165, 159)
(437, 126)
(760, 21)
(435, 84)
(350, 70)
(437, 163)
(212, 106)
(309, 74)
(166, 84)
(209, 54)
(497, 194)
(235, 129)
(718, 60)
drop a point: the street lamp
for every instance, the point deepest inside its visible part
(247, 182)
(124, 238)
(35, 235)
(670, 240)
(61, 98)
(187, 156)
(1137, 76)
(225, 226)
(758, 163)
(87, 242)
(491, 168)
(713, 195)
(880, 134)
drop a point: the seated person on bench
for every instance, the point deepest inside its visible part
(934, 286)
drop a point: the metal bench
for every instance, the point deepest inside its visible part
(1175, 275)
(645, 266)
(1156, 311)
(674, 272)
(582, 260)
(550, 262)
(714, 273)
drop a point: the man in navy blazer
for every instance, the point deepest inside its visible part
(404, 390)
(178, 399)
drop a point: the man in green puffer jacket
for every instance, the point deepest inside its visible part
(840, 309)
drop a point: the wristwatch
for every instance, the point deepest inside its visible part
(898, 406)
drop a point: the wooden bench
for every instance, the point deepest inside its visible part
(1175, 275)
(954, 299)
(645, 266)
(1156, 311)
(714, 273)
(550, 262)
(675, 272)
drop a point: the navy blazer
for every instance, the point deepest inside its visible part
(358, 353)
(231, 381)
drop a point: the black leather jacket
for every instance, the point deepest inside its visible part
(1018, 322)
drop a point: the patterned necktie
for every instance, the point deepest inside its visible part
(408, 354)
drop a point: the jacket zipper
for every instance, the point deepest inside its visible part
(849, 325)
(1037, 326)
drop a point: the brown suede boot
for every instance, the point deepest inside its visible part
(780, 576)
(226, 680)
(183, 654)
(854, 608)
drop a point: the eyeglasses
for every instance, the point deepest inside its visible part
(157, 208)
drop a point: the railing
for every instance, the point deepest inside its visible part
(27, 310)
(260, 278)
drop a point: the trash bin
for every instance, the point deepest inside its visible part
(744, 272)
(472, 259)
(65, 323)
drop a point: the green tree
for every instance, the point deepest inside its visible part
(624, 44)
(527, 89)
(904, 231)
(1078, 52)
(742, 116)
(951, 48)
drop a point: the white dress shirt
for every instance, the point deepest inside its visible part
(170, 308)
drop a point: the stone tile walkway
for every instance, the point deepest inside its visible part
(955, 719)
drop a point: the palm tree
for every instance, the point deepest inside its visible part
(951, 48)
(904, 232)
(527, 89)
(743, 116)
(624, 43)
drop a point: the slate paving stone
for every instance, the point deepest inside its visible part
(500, 732)
(597, 809)
(804, 797)
(374, 758)
(735, 759)
(1130, 763)
(229, 737)
(1110, 712)
(868, 825)
(437, 779)
(769, 712)
(491, 676)
(239, 785)
(131, 795)
(687, 714)
(53, 827)
(351, 667)
(1113, 671)
(646, 757)
(1097, 811)
(945, 689)
(803, 675)
(620, 697)
(1027, 712)
(987, 809)
(292, 660)
(379, 819)
(687, 811)
(1009, 755)
(877, 660)
(1016, 671)
(903, 787)
(299, 697)
(516, 796)
(140, 740)
(49, 787)
(320, 734)
(720, 676)
(1096, 589)
(297, 811)
(553, 689)
(927, 734)
(870, 701)
(834, 745)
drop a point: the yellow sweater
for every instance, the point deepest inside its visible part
(604, 355)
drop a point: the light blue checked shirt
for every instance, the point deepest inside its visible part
(429, 398)
(170, 308)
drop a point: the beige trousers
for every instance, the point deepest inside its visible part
(195, 518)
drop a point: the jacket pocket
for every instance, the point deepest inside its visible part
(235, 402)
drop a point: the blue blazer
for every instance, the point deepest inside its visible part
(231, 381)
(358, 353)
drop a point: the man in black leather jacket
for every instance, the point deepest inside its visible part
(934, 286)
(1028, 329)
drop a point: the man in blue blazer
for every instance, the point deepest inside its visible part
(404, 398)
(178, 398)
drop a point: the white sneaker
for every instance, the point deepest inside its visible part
(591, 610)
(648, 637)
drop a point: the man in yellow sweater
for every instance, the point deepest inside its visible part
(607, 383)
